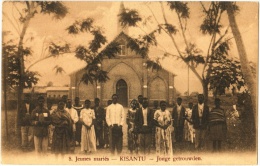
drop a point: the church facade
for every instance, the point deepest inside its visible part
(128, 77)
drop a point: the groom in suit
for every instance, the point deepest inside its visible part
(178, 115)
(144, 125)
(200, 116)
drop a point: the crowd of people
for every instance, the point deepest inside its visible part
(93, 128)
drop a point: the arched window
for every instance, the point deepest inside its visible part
(122, 50)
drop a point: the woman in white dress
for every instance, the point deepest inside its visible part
(162, 119)
(88, 136)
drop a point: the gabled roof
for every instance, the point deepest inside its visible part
(121, 34)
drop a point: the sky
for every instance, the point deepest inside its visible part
(44, 29)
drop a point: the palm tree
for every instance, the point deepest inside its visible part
(246, 70)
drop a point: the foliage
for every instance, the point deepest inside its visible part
(219, 71)
(58, 9)
(55, 49)
(224, 5)
(13, 66)
(153, 65)
(193, 55)
(181, 8)
(16, 53)
(58, 69)
(80, 26)
(222, 72)
(17, 76)
(92, 54)
(225, 72)
(49, 84)
(132, 17)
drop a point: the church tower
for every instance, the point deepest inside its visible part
(120, 28)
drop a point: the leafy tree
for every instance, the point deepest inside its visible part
(49, 84)
(92, 54)
(20, 78)
(248, 71)
(13, 67)
(226, 73)
(192, 56)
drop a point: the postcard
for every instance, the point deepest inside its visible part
(129, 82)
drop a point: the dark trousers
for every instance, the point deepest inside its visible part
(116, 142)
(100, 135)
(216, 145)
(178, 133)
(145, 143)
(106, 135)
(72, 142)
(78, 132)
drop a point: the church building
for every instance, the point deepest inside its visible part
(128, 77)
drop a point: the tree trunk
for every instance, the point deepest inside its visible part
(248, 76)
(205, 91)
(21, 81)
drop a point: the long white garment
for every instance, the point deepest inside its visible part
(115, 114)
(88, 136)
(145, 116)
(74, 116)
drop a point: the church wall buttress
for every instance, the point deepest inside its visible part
(171, 89)
(145, 80)
(72, 86)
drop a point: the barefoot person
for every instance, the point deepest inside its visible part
(25, 122)
(63, 131)
(162, 120)
(144, 125)
(78, 107)
(115, 121)
(107, 138)
(199, 117)
(74, 117)
(178, 115)
(217, 125)
(130, 120)
(100, 123)
(40, 120)
(88, 136)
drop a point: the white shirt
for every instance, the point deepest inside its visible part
(87, 115)
(74, 116)
(73, 113)
(145, 116)
(115, 114)
(200, 109)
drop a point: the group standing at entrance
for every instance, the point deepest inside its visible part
(96, 128)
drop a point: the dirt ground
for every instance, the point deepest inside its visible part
(11, 153)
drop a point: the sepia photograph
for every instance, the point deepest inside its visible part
(129, 82)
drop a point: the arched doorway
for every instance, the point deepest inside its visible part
(121, 91)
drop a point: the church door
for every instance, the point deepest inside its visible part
(121, 91)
